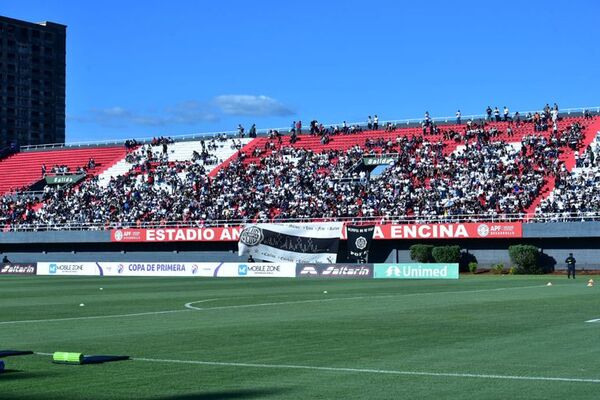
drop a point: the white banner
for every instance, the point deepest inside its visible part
(256, 270)
(169, 269)
(69, 268)
(296, 243)
(157, 269)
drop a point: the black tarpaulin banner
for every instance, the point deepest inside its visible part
(359, 241)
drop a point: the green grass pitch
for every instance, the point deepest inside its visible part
(481, 337)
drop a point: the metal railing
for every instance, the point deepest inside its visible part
(566, 112)
(381, 220)
(121, 142)
(263, 132)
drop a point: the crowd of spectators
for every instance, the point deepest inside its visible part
(66, 170)
(485, 176)
(576, 194)
(590, 157)
(17, 211)
(131, 144)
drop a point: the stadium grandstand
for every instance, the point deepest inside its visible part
(537, 166)
(480, 170)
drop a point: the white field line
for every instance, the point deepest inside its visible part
(33, 321)
(371, 371)
(594, 320)
(363, 370)
(189, 306)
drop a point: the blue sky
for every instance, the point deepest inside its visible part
(145, 68)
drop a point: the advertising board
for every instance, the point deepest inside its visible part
(169, 269)
(416, 271)
(18, 269)
(467, 230)
(69, 268)
(350, 271)
(165, 269)
(256, 270)
(230, 234)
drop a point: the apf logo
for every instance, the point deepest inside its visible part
(52, 268)
(393, 271)
(194, 269)
(118, 236)
(483, 230)
(120, 268)
(242, 270)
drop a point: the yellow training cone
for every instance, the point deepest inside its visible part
(549, 284)
(590, 284)
(591, 281)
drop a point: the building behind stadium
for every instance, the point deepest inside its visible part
(32, 71)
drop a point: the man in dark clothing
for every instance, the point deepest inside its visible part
(5, 260)
(570, 266)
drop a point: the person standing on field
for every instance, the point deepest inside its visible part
(570, 266)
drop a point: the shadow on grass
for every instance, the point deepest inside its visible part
(214, 395)
(227, 395)
(15, 374)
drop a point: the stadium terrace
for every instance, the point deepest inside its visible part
(474, 169)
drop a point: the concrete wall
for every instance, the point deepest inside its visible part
(562, 229)
(54, 237)
(130, 256)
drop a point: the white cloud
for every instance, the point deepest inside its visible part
(187, 113)
(190, 112)
(120, 117)
(114, 112)
(249, 105)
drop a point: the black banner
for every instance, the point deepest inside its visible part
(354, 271)
(18, 269)
(359, 241)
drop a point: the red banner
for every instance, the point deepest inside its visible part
(177, 235)
(470, 230)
